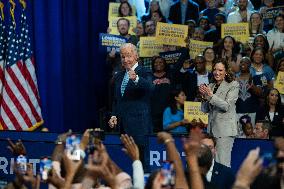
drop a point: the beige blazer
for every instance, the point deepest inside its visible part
(221, 107)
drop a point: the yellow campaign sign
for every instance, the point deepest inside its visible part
(113, 10)
(192, 110)
(149, 47)
(239, 31)
(279, 83)
(197, 47)
(171, 34)
(112, 24)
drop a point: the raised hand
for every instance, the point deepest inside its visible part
(130, 147)
(17, 148)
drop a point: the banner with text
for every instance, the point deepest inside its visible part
(269, 14)
(239, 31)
(113, 10)
(149, 47)
(171, 57)
(109, 41)
(197, 47)
(192, 110)
(113, 24)
(171, 34)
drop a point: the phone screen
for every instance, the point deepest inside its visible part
(168, 174)
(73, 147)
(21, 164)
(45, 167)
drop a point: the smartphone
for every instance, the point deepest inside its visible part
(21, 161)
(268, 159)
(72, 147)
(168, 174)
(96, 137)
(45, 167)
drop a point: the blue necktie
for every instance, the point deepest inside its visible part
(124, 83)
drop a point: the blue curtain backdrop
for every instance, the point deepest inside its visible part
(70, 71)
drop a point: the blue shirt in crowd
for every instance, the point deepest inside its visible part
(169, 118)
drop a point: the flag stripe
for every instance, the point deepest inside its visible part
(29, 65)
(18, 102)
(23, 92)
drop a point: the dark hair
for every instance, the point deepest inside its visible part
(172, 101)
(275, 17)
(266, 44)
(205, 157)
(254, 51)
(204, 18)
(235, 51)
(128, 22)
(160, 14)
(149, 184)
(279, 64)
(245, 119)
(211, 137)
(154, 60)
(222, 15)
(204, 51)
(278, 103)
(229, 77)
(119, 9)
(260, 27)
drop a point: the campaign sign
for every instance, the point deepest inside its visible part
(109, 41)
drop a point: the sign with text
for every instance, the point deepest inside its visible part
(108, 41)
(171, 34)
(279, 83)
(197, 47)
(192, 110)
(113, 10)
(149, 47)
(239, 31)
(113, 24)
(171, 57)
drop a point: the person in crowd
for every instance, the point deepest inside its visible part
(256, 24)
(280, 69)
(229, 49)
(132, 92)
(209, 56)
(191, 27)
(204, 23)
(273, 112)
(214, 34)
(139, 30)
(124, 9)
(219, 175)
(260, 40)
(262, 129)
(165, 6)
(157, 16)
(154, 7)
(161, 81)
(262, 74)
(241, 14)
(192, 80)
(184, 10)
(173, 116)
(198, 34)
(210, 11)
(219, 102)
(268, 23)
(247, 102)
(276, 35)
(247, 128)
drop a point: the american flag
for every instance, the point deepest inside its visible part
(19, 98)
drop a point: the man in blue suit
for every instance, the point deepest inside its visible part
(184, 10)
(131, 104)
(219, 175)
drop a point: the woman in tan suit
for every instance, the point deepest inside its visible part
(219, 101)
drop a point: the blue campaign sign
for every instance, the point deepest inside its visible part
(109, 41)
